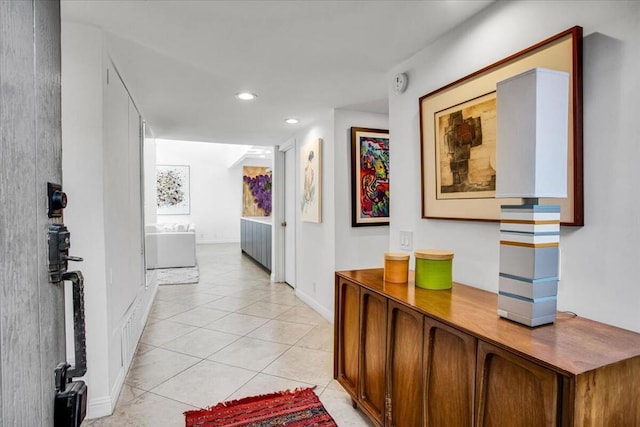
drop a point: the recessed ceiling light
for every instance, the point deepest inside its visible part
(291, 121)
(246, 96)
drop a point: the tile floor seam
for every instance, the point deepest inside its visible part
(236, 366)
(178, 373)
(236, 390)
(169, 398)
(191, 355)
(285, 378)
(265, 340)
(167, 379)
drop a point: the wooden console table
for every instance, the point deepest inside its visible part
(414, 357)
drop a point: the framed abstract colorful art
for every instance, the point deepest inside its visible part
(369, 177)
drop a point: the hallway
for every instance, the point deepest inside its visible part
(234, 334)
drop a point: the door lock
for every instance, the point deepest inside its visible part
(59, 243)
(57, 200)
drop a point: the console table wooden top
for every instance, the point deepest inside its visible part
(571, 345)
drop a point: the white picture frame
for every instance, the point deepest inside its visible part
(173, 190)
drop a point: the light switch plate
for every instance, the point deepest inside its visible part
(406, 240)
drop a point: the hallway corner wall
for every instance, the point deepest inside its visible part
(332, 245)
(150, 204)
(315, 243)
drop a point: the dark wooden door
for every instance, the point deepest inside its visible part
(404, 366)
(373, 312)
(512, 391)
(450, 361)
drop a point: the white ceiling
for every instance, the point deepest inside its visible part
(183, 61)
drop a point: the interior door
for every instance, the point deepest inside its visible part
(290, 216)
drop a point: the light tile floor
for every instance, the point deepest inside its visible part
(234, 334)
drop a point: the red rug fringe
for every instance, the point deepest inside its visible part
(300, 407)
(249, 399)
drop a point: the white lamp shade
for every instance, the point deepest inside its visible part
(532, 134)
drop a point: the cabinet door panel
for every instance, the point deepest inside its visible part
(512, 391)
(372, 355)
(404, 366)
(347, 334)
(450, 360)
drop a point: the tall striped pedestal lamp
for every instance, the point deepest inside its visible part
(531, 157)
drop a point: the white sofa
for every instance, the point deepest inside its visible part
(170, 245)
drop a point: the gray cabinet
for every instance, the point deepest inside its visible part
(255, 240)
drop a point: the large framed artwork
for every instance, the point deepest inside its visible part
(172, 183)
(369, 177)
(311, 181)
(256, 191)
(458, 136)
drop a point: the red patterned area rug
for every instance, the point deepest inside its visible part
(299, 408)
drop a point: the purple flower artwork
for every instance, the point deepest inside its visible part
(257, 191)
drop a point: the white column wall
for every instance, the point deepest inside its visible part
(83, 171)
(315, 243)
(150, 206)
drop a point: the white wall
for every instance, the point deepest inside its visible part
(150, 203)
(600, 261)
(332, 245)
(356, 247)
(315, 243)
(216, 189)
(123, 206)
(82, 170)
(101, 171)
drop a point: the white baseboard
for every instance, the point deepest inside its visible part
(99, 407)
(311, 302)
(213, 242)
(103, 406)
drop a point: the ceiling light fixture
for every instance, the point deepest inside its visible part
(291, 121)
(246, 96)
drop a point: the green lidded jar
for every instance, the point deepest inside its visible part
(433, 268)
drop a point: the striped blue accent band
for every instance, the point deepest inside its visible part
(531, 208)
(531, 233)
(525, 279)
(529, 300)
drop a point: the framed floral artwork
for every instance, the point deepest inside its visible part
(172, 183)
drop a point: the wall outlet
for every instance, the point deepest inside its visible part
(406, 240)
(313, 286)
